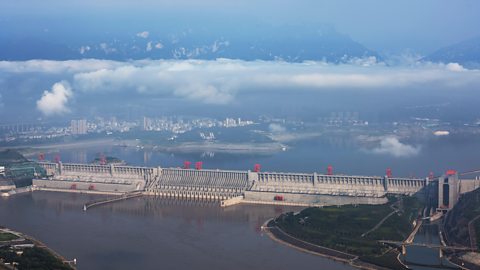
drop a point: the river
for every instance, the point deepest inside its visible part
(152, 233)
(418, 258)
(345, 154)
(148, 233)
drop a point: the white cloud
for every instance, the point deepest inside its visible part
(1, 101)
(455, 67)
(107, 49)
(50, 66)
(55, 101)
(276, 128)
(159, 45)
(392, 146)
(143, 34)
(84, 49)
(149, 46)
(218, 44)
(219, 81)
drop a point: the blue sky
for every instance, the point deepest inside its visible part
(385, 26)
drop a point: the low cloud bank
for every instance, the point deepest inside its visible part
(220, 81)
(392, 146)
(277, 128)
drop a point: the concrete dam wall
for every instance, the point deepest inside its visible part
(208, 184)
(261, 187)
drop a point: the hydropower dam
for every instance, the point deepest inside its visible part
(235, 186)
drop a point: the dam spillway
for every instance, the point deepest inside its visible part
(212, 184)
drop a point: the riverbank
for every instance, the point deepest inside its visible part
(235, 148)
(278, 235)
(20, 251)
(350, 234)
(32, 150)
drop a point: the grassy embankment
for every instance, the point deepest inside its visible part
(33, 259)
(5, 236)
(341, 228)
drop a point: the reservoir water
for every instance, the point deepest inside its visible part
(347, 156)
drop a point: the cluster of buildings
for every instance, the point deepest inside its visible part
(344, 119)
(180, 125)
(19, 133)
(16, 134)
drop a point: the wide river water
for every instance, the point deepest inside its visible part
(149, 233)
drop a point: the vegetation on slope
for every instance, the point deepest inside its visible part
(349, 228)
(33, 259)
(458, 219)
(19, 169)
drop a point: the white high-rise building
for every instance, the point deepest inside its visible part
(78, 127)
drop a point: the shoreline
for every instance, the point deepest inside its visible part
(288, 240)
(63, 145)
(41, 245)
(184, 147)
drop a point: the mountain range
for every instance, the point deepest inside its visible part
(287, 43)
(466, 53)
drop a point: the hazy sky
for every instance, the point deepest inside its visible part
(55, 89)
(385, 26)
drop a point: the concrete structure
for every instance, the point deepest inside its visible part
(106, 178)
(207, 184)
(339, 185)
(232, 187)
(6, 184)
(254, 187)
(450, 187)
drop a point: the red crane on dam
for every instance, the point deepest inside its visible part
(103, 159)
(389, 172)
(329, 170)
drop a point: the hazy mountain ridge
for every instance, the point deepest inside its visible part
(466, 53)
(287, 43)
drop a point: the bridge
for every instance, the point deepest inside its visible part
(437, 246)
(203, 184)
